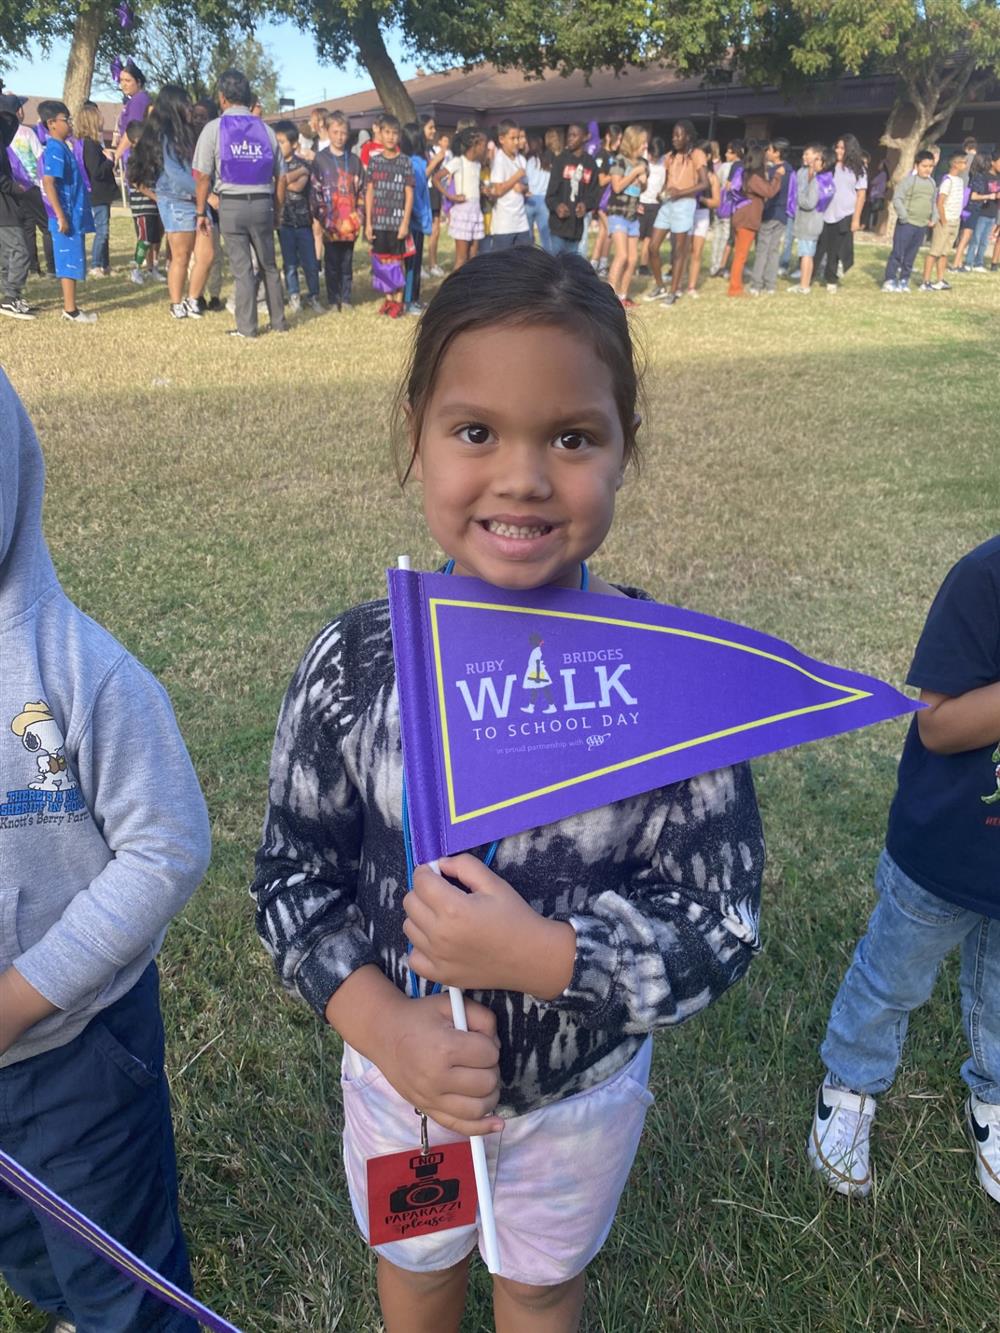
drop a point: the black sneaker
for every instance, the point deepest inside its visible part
(15, 310)
(213, 304)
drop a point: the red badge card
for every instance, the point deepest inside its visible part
(415, 1194)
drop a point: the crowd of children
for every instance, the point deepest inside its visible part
(748, 214)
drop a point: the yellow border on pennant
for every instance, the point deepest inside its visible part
(850, 696)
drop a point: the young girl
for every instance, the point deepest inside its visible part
(705, 205)
(842, 217)
(145, 214)
(754, 188)
(687, 177)
(103, 187)
(723, 237)
(628, 175)
(161, 163)
(604, 158)
(584, 936)
(459, 181)
(649, 199)
(438, 154)
(538, 161)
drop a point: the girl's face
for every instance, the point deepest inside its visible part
(519, 488)
(839, 150)
(128, 83)
(430, 130)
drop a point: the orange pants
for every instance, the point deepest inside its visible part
(744, 240)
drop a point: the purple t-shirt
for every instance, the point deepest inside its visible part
(136, 108)
(845, 187)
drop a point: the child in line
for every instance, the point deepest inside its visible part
(584, 937)
(388, 208)
(438, 157)
(605, 155)
(814, 191)
(145, 217)
(938, 890)
(774, 220)
(70, 217)
(687, 177)
(628, 176)
(295, 230)
(649, 197)
(459, 184)
(97, 163)
(754, 188)
(984, 184)
(947, 219)
(724, 238)
(421, 219)
(335, 198)
(706, 204)
(913, 200)
(100, 853)
(13, 247)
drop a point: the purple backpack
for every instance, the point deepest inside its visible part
(733, 198)
(388, 273)
(246, 156)
(824, 181)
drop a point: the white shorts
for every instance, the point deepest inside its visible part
(702, 221)
(557, 1172)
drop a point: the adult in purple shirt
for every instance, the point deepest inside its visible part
(842, 217)
(132, 82)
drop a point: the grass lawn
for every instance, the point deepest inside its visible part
(812, 467)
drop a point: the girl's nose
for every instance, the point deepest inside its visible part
(523, 470)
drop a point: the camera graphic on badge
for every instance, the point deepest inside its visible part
(426, 1191)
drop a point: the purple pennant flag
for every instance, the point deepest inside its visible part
(47, 1203)
(520, 709)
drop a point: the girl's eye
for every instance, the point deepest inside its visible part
(475, 434)
(572, 440)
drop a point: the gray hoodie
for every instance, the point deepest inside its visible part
(103, 830)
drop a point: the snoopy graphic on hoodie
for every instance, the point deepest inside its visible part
(42, 738)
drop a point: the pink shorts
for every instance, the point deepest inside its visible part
(557, 1172)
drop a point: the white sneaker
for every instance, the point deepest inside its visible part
(314, 305)
(425, 275)
(982, 1119)
(294, 303)
(179, 310)
(79, 317)
(889, 286)
(136, 276)
(436, 271)
(838, 1141)
(656, 293)
(831, 287)
(799, 291)
(156, 274)
(978, 268)
(193, 307)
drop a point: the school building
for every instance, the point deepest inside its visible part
(657, 97)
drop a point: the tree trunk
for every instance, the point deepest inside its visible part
(82, 55)
(376, 59)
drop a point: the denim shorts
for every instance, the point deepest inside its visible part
(176, 214)
(628, 226)
(676, 215)
(806, 246)
(557, 1172)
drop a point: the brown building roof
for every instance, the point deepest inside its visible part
(110, 112)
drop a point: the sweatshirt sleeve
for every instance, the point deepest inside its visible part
(808, 196)
(307, 865)
(901, 199)
(142, 792)
(685, 928)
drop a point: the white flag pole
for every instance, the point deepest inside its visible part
(484, 1193)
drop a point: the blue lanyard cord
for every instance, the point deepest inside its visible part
(434, 987)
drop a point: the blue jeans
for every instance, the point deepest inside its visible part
(299, 247)
(538, 216)
(100, 254)
(92, 1120)
(583, 244)
(976, 254)
(893, 972)
(906, 242)
(560, 246)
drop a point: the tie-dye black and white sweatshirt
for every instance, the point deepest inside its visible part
(663, 890)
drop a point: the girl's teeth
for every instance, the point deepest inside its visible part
(505, 530)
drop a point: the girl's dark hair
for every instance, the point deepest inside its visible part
(688, 129)
(980, 165)
(518, 288)
(614, 131)
(170, 125)
(657, 146)
(464, 139)
(736, 146)
(130, 67)
(427, 118)
(412, 140)
(536, 148)
(853, 156)
(754, 164)
(829, 159)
